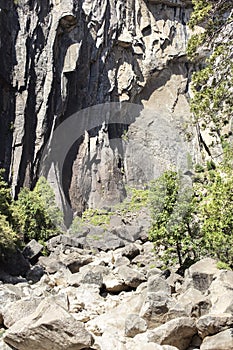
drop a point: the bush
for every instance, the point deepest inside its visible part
(172, 208)
(35, 213)
(7, 236)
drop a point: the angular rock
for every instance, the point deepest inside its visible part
(177, 332)
(63, 240)
(17, 310)
(122, 261)
(51, 265)
(130, 277)
(75, 260)
(155, 308)
(134, 325)
(201, 274)
(158, 284)
(213, 323)
(49, 327)
(93, 278)
(219, 341)
(221, 293)
(32, 251)
(130, 251)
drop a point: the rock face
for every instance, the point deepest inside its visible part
(64, 56)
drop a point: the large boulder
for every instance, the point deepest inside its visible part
(214, 323)
(219, 341)
(19, 309)
(201, 274)
(134, 325)
(32, 251)
(49, 327)
(177, 332)
(221, 293)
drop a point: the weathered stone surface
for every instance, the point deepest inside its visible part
(177, 332)
(32, 251)
(17, 310)
(214, 323)
(201, 274)
(130, 277)
(82, 55)
(221, 293)
(220, 341)
(134, 325)
(158, 284)
(49, 327)
(130, 251)
(155, 308)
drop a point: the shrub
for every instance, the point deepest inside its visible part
(35, 213)
(172, 208)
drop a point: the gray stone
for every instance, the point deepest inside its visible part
(134, 325)
(130, 277)
(17, 310)
(219, 341)
(201, 274)
(177, 332)
(155, 308)
(131, 251)
(49, 327)
(213, 323)
(158, 284)
(32, 251)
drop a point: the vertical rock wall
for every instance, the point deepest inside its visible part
(61, 56)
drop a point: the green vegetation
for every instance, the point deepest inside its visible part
(96, 217)
(33, 215)
(212, 82)
(172, 209)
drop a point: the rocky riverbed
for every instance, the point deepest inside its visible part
(106, 290)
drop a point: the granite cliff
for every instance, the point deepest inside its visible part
(59, 57)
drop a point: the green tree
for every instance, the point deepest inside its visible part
(8, 238)
(215, 210)
(172, 209)
(36, 214)
(212, 82)
(5, 196)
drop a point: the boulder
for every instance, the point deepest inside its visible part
(93, 278)
(65, 241)
(219, 341)
(130, 251)
(134, 325)
(221, 293)
(32, 251)
(75, 260)
(49, 327)
(19, 309)
(177, 332)
(50, 264)
(155, 308)
(131, 277)
(214, 323)
(201, 274)
(158, 284)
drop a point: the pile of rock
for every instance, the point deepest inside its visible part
(102, 299)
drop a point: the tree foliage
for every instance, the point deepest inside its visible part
(171, 202)
(212, 82)
(36, 215)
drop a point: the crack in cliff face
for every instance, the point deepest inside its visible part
(72, 55)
